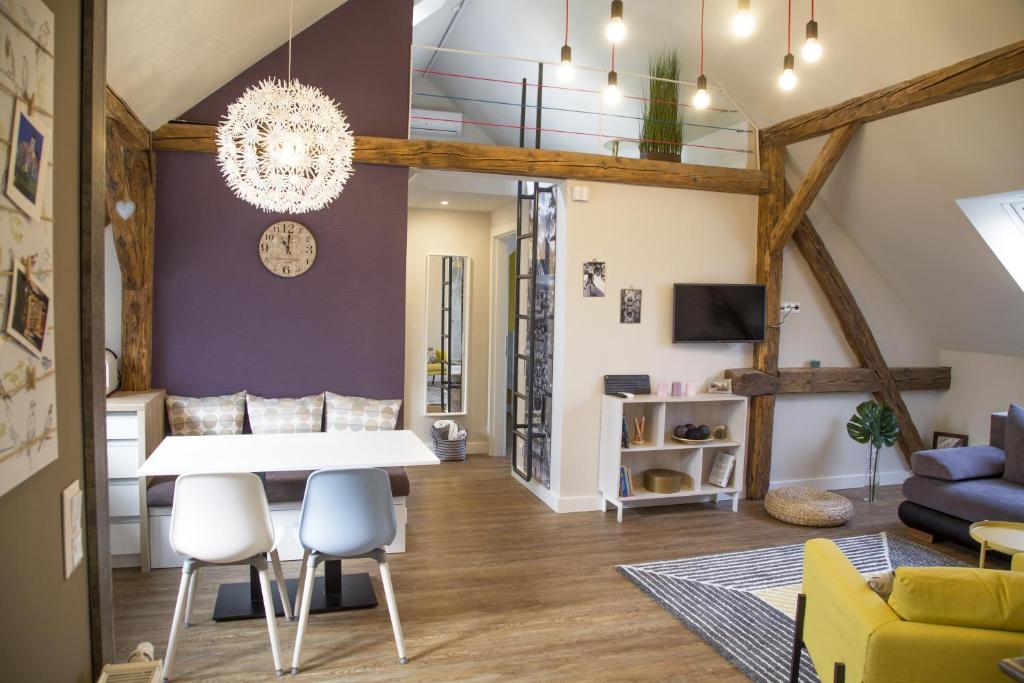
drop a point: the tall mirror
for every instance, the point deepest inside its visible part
(447, 330)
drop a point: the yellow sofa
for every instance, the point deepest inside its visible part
(434, 369)
(957, 623)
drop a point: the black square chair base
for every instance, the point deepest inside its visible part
(234, 600)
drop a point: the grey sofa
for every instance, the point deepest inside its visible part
(952, 488)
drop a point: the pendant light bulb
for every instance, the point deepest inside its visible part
(787, 81)
(743, 21)
(811, 51)
(616, 29)
(701, 99)
(612, 93)
(566, 71)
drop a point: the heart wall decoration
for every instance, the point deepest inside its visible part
(125, 209)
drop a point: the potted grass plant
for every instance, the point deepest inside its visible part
(874, 424)
(661, 127)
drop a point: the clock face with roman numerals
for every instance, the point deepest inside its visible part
(287, 249)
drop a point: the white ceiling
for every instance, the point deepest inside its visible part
(164, 57)
(894, 191)
(462, 191)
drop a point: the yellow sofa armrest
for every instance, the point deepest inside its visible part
(904, 651)
(1018, 563)
(960, 596)
(841, 611)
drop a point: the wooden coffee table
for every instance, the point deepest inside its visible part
(1004, 537)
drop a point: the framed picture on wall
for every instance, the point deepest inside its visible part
(28, 311)
(948, 440)
(28, 166)
(593, 278)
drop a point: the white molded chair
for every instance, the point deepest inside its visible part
(223, 519)
(346, 514)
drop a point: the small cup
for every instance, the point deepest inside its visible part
(691, 388)
(677, 389)
(663, 388)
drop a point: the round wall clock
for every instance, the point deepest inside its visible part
(287, 248)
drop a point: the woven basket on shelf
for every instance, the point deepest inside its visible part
(447, 450)
(808, 507)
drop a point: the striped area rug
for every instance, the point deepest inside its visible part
(743, 604)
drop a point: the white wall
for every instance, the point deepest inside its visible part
(465, 233)
(983, 383)
(652, 238)
(810, 444)
(111, 293)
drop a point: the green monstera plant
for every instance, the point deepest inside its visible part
(874, 424)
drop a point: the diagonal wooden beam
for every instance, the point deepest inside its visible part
(766, 354)
(996, 67)
(750, 382)
(539, 163)
(816, 176)
(133, 133)
(856, 331)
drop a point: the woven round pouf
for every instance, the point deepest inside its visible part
(808, 507)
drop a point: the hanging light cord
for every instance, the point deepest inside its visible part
(291, 10)
(789, 27)
(567, 21)
(812, 9)
(613, 56)
(702, 37)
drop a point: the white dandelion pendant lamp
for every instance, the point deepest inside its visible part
(285, 147)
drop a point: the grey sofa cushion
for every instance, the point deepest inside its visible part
(997, 432)
(956, 464)
(1014, 445)
(972, 500)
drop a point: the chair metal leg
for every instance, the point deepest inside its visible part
(798, 638)
(396, 626)
(179, 615)
(309, 567)
(839, 673)
(282, 587)
(302, 579)
(268, 609)
(191, 597)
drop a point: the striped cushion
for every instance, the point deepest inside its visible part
(204, 416)
(285, 415)
(353, 413)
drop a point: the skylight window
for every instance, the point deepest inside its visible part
(999, 219)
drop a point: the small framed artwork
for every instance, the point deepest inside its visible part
(948, 440)
(719, 386)
(29, 160)
(28, 311)
(629, 306)
(593, 278)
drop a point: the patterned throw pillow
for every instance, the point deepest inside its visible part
(285, 415)
(205, 416)
(352, 413)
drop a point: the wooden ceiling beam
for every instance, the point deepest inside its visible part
(857, 331)
(993, 68)
(537, 163)
(812, 183)
(133, 134)
(751, 382)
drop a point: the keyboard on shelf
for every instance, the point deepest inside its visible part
(630, 384)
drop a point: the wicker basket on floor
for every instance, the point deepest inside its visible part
(447, 450)
(808, 507)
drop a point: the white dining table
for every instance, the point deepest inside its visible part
(262, 453)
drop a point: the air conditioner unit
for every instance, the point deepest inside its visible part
(436, 123)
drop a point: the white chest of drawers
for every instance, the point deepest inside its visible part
(135, 427)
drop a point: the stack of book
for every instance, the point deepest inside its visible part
(625, 482)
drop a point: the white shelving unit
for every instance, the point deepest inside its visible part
(695, 461)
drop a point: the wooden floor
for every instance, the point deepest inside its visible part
(494, 586)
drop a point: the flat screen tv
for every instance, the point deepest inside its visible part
(718, 313)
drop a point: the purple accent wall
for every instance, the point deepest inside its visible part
(221, 321)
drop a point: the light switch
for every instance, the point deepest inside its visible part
(74, 549)
(580, 193)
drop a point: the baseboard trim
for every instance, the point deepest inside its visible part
(545, 495)
(579, 504)
(848, 481)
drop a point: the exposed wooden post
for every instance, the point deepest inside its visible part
(131, 177)
(766, 353)
(816, 176)
(541, 163)
(996, 67)
(856, 330)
